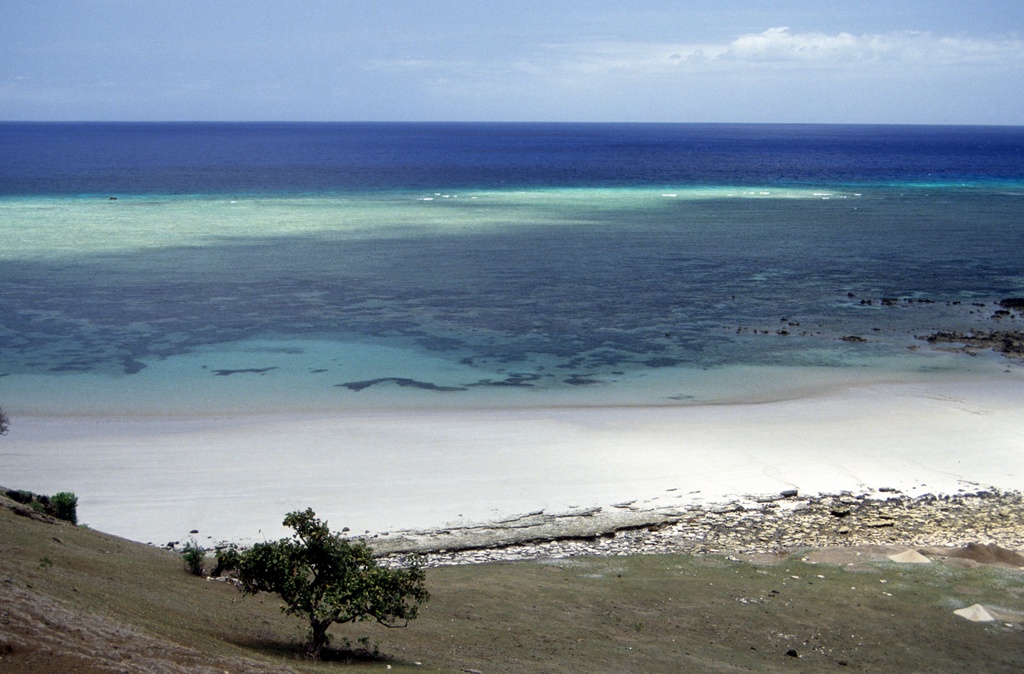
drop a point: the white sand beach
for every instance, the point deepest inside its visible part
(233, 478)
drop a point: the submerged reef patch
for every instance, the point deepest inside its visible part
(399, 381)
(1009, 343)
(518, 379)
(248, 370)
(581, 380)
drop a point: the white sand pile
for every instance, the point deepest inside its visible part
(910, 557)
(975, 613)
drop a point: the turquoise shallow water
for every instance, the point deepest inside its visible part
(260, 377)
(211, 304)
(75, 226)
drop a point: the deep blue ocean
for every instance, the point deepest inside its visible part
(314, 158)
(202, 268)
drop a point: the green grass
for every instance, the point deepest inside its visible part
(665, 613)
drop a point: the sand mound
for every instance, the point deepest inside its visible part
(988, 554)
(976, 613)
(910, 557)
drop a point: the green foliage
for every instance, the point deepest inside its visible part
(193, 555)
(328, 579)
(62, 506)
(65, 506)
(21, 495)
(228, 559)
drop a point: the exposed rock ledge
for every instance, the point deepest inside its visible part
(770, 524)
(1010, 343)
(527, 529)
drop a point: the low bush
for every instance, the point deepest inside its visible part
(227, 560)
(21, 496)
(62, 506)
(65, 506)
(193, 555)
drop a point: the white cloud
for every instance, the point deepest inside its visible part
(772, 49)
(779, 46)
(774, 75)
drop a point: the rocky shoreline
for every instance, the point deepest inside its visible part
(770, 524)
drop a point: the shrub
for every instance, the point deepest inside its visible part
(21, 495)
(193, 555)
(65, 506)
(227, 560)
(5, 422)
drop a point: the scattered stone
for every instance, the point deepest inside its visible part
(939, 521)
(878, 524)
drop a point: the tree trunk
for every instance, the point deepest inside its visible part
(318, 638)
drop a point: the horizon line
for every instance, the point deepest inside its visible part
(503, 122)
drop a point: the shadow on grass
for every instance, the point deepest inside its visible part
(351, 655)
(345, 652)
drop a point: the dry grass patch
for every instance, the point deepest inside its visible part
(72, 599)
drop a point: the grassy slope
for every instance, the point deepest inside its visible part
(68, 590)
(99, 603)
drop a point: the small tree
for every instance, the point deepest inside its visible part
(5, 422)
(327, 579)
(65, 506)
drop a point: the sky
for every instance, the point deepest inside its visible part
(788, 61)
